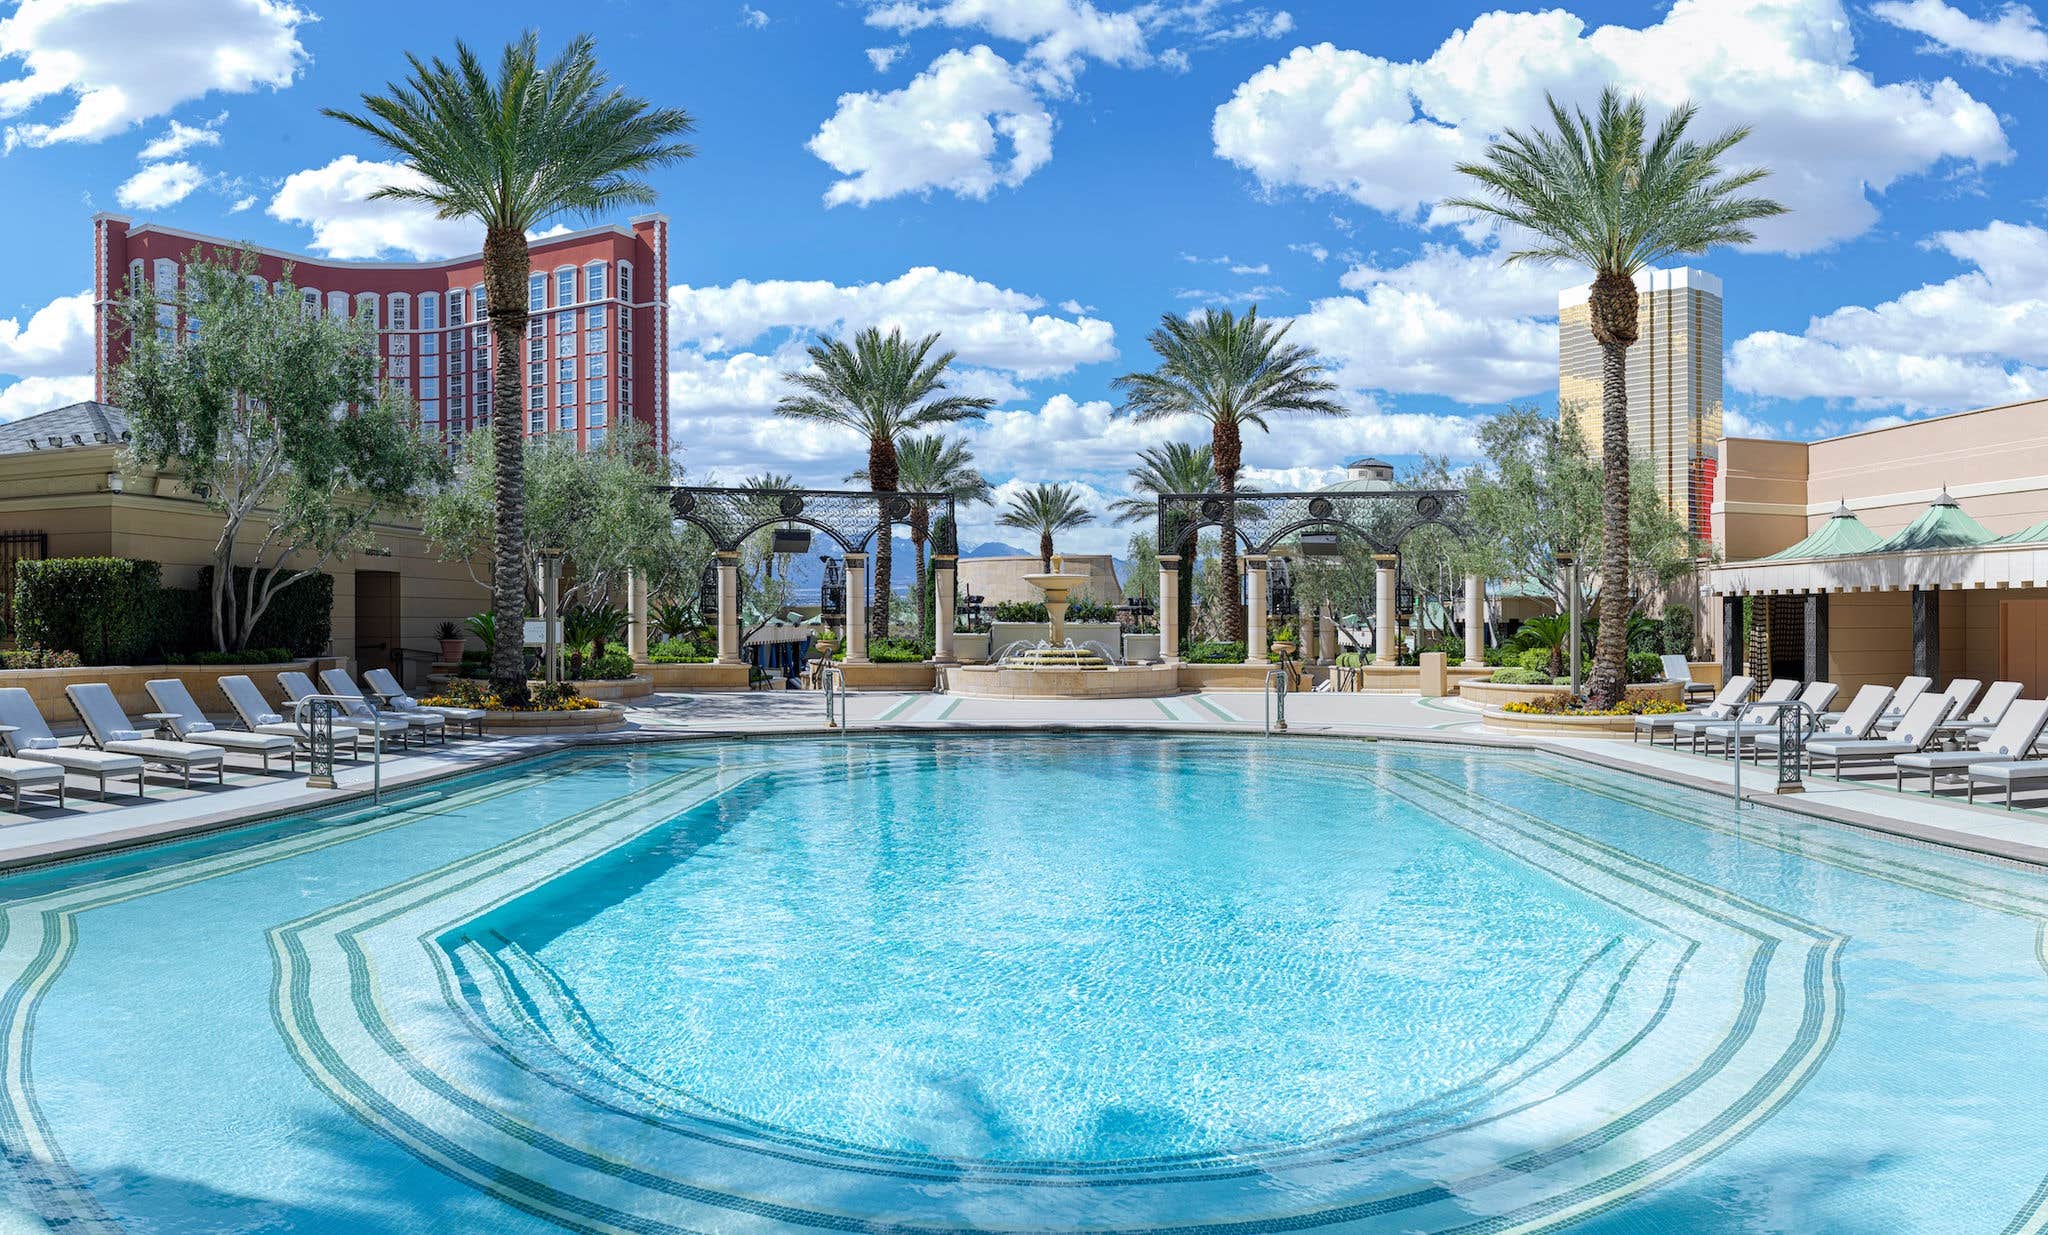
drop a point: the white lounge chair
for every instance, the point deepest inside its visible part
(1989, 711)
(426, 724)
(1679, 669)
(395, 698)
(1856, 723)
(1919, 726)
(1907, 694)
(1724, 707)
(111, 730)
(27, 736)
(23, 774)
(1961, 693)
(2017, 773)
(1689, 728)
(175, 704)
(2008, 743)
(253, 710)
(298, 686)
(1815, 695)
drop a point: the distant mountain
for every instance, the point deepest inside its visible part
(996, 548)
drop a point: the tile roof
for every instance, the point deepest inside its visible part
(81, 424)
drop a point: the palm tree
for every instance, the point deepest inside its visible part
(881, 388)
(1233, 372)
(932, 463)
(764, 500)
(1594, 194)
(1046, 509)
(511, 152)
(1173, 468)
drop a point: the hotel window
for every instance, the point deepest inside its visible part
(593, 318)
(430, 366)
(454, 340)
(536, 328)
(479, 310)
(537, 422)
(455, 307)
(566, 345)
(565, 394)
(401, 345)
(593, 439)
(456, 389)
(366, 306)
(593, 340)
(430, 409)
(565, 323)
(625, 320)
(481, 403)
(625, 342)
(626, 392)
(565, 370)
(626, 281)
(594, 415)
(537, 397)
(455, 362)
(337, 304)
(400, 366)
(430, 387)
(480, 336)
(536, 293)
(430, 311)
(135, 276)
(166, 275)
(565, 286)
(594, 390)
(398, 311)
(430, 345)
(309, 298)
(537, 349)
(566, 418)
(593, 281)
(536, 374)
(594, 366)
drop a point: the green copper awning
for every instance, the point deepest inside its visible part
(1842, 534)
(1942, 526)
(2035, 535)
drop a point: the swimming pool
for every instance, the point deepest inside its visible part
(1026, 983)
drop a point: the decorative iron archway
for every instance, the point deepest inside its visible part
(1264, 521)
(849, 517)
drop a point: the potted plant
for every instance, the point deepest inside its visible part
(824, 643)
(1284, 643)
(450, 636)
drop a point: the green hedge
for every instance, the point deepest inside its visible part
(107, 609)
(1645, 667)
(300, 618)
(1216, 653)
(1520, 677)
(614, 666)
(680, 651)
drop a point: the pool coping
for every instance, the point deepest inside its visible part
(507, 751)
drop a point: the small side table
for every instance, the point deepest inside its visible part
(163, 723)
(4, 731)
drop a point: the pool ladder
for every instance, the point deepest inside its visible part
(1791, 740)
(315, 715)
(842, 717)
(1275, 701)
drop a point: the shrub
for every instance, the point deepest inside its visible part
(1645, 635)
(1520, 677)
(1537, 659)
(1021, 611)
(300, 618)
(1349, 660)
(1678, 630)
(245, 656)
(613, 666)
(461, 693)
(1565, 705)
(681, 651)
(1216, 652)
(1453, 649)
(896, 651)
(1645, 667)
(106, 609)
(38, 658)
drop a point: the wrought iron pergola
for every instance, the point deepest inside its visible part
(850, 518)
(1382, 519)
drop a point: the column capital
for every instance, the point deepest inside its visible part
(727, 557)
(1254, 561)
(945, 561)
(1386, 561)
(856, 561)
(1169, 559)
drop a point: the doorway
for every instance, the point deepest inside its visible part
(2023, 645)
(377, 621)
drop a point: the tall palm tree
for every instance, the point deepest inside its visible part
(511, 151)
(1046, 509)
(882, 388)
(1233, 372)
(932, 463)
(1601, 191)
(1173, 468)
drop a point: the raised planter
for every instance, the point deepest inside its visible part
(1003, 634)
(46, 686)
(1489, 695)
(635, 687)
(699, 678)
(970, 647)
(584, 720)
(1223, 677)
(1562, 726)
(1115, 682)
(1140, 649)
(876, 675)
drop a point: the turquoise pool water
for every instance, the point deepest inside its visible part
(1029, 983)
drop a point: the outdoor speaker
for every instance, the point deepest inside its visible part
(791, 540)
(1320, 544)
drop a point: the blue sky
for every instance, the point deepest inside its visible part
(1041, 179)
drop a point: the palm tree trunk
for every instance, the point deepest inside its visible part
(920, 532)
(1610, 651)
(882, 479)
(506, 265)
(1228, 449)
(1045, 551)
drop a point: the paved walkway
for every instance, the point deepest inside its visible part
(43, 833)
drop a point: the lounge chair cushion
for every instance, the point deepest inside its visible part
(41, 744)
(167, 752)
(25, 772)
(126, 735)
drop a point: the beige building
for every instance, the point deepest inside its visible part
(63, 494)
(1673, 377)
(1000, 579)
(1919, 548)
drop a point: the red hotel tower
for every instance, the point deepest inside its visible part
(596, 343)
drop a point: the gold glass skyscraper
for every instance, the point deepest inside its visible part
(1674, 383)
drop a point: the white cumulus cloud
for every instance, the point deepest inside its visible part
(2014, 36)
(55, 341)
(159, 185)
(969, 124)
(39, 394)
(117, 63)
(1388, 133)
(334, 201)
(181, 137)
(1059, 35)
(884, 58)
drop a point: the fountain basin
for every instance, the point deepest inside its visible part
(1105, 681)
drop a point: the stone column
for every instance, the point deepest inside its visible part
(728, 608)
(1169, 607)
(1475, 620)
(636, 616)
(1816, 649)
(943, 566)
(1384, 565)
(1927, 633)
(1255, 617)
(1731, 637)
(1327, 634)
(856, 608)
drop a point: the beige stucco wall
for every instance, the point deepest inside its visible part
(1000, 579)
(65, 494)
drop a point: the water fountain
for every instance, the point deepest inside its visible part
(1056, 651)
(1056, 667)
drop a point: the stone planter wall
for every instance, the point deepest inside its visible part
(970, 648)
(1560, 726)
(1487, 694)
(587, 720)
(46, 686)
(635, 687)
(908, 675)
(1003, 634)
(1139, 649)
(697, 678)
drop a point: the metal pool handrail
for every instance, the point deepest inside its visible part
(1788, 751)
(843, 718)
(335, 705)
(1274, 699)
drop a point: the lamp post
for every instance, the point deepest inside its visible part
(1568, 562)
(550, 613)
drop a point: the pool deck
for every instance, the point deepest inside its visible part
(42, 833)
